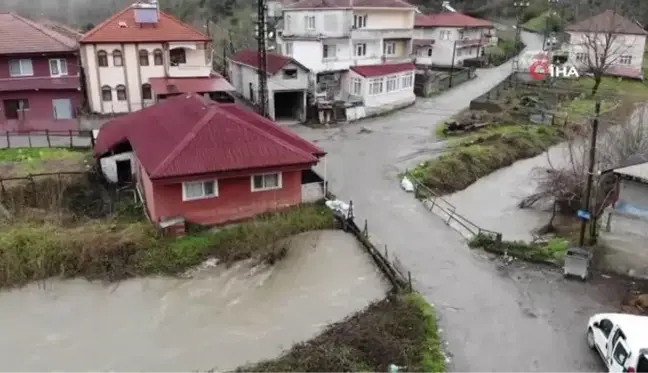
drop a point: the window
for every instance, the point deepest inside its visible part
(58, 67)
(625, 60)
(328, 51)
(356, 87)
(199, 190)
(143, 57)
(289, 73)
(177, 56)
(390, 48)
(359, 21)
(429, 52)
(459, 52)
(13, 107)
(102, 59)
(158, 60)
(445, 34)
(407, 81)
(581, 57)
(106, 93)
(360, 50)
(117, 58)
(121, 93)
(288, 24)
(266, 182)
(289, 48)
(21, 67)
(310, 22)
(462, 34)
(392, 84)
(146, 92)
(620, 354)
(375, 86)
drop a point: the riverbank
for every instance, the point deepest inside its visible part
(400, 330)
(114, 249)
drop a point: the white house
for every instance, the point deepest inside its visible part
(141, 55)
(288, 82)
(450, 37)
(618, 40)
(381, 88)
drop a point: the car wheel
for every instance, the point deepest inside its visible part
(590, 338)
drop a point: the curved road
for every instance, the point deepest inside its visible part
(497, 317)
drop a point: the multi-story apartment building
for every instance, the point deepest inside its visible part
(334, 35)
(40, 87)
(141, 55)
(448, 38)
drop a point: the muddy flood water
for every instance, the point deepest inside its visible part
(218, 319)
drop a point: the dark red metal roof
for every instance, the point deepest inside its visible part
(276, 61)
(21, 35)
(214, 83)
(190, 135)
(449, 19)
(369, 71)
(40, 82)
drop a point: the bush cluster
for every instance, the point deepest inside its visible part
(550, 252)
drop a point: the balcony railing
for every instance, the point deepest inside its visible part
(381, 33)
(40, 82)
(188, 71)
(472, 42)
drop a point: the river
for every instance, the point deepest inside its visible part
(218, 318)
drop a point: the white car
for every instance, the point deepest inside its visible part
(621, 340)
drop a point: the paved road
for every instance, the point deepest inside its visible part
(498, 318)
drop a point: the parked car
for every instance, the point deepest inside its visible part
(621, 340)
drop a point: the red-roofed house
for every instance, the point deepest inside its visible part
(443, 36)
(381, 87)
(207, 162)
(287, 83)
(141, 55)
(39, 76)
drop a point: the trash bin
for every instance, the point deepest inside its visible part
(577, 262)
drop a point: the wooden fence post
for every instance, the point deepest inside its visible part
(49, 143)
(365, 231)
(2, 187)
(29, 139)
(409, 280)
(71, 144)
(8, 141)
(92, 143)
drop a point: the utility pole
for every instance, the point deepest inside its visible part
(454, 53)
(263, 57)
(590, 174)
(520, 6)
(550, 14)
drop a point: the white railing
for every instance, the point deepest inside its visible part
(186, 71)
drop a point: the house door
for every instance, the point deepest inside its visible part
(124, 171)
(11, 109)
(62, 108)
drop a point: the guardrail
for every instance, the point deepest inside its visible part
(448, 212)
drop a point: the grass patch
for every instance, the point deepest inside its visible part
(542, 21)
(114, 250)
(400, 330)
(549, 252)
(17, 162)
(478, 154)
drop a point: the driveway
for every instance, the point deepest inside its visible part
(498, 318)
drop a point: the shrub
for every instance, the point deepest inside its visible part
(550, 252)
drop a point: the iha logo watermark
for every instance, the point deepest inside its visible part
(542, 69)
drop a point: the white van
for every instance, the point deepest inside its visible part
(621, 340)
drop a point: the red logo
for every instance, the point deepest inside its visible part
(540, 69)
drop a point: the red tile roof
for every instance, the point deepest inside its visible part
(189, 135)
(276, 61)
(608, 21)
(449, 19)
(167, 29)
(317, 4)
(20, 35)
(41, 82)
(214, 83)
(369, 71)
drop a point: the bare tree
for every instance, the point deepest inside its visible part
(603, 41)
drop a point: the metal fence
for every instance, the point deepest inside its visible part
(448, 212)
(47, 139)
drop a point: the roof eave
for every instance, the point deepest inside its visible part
(233, 172)
(140, 41)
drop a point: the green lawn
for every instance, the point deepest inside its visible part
(17, 162)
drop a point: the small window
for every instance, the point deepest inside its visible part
(392, 84)
(407, 81)
(290, 73)
(310, 22)
(445, 34)
(429, 52)
(106, 93)
(356, 87)
(359, 21)
(288, 24)
(289, 49)
(147, 94)
(143, 57)
(158, 60)
(266, 182)
(376, 86)
(102, 59)
(58, 67)
(390, 48)
(328, 51)
(117, 58)
(121, 93)
(581, 57)
(199, 190)
(21, 67)
(360, 50)
(620, 354)
(177, 56)
(625, 60)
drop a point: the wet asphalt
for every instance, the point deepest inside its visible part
(494, 317)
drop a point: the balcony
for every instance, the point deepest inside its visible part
(189, 71)
(365, 34)
(40, 82)
(472, 42)
(313, 35)
(398, 59)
